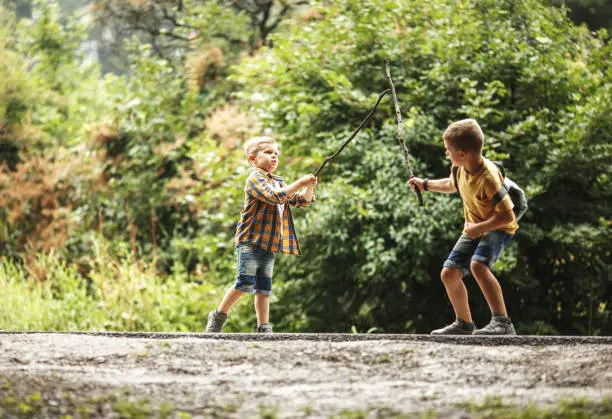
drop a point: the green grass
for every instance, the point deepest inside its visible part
(579, 408)
(268, 412)
(123, 404)
(117, 294)
(383, 359)
(116, 404)
(496, 408)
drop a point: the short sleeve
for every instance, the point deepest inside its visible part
(493, 189)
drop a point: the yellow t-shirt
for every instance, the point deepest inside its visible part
(477, 192)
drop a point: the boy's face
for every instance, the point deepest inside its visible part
(266, 158)
(456, 156)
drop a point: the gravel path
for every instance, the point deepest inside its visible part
(300, 375)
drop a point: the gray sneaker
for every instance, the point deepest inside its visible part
(499, 325)
(265, 328)
(215, 321)
(458, 327)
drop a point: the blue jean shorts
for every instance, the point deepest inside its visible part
(255, 266)
(485, 249)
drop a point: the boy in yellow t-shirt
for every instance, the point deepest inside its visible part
(490, 224)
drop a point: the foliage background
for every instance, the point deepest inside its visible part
(122, 176)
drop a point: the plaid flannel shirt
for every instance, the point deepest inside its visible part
(260, 220)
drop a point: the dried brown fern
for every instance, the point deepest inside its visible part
(204, 67)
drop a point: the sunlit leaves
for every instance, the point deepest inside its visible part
(520, 68)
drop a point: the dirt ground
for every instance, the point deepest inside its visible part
(282, 375)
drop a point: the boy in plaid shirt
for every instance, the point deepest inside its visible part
(265, 227)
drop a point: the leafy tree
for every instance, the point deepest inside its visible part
(22, 8)
(372, 257)
(595, 13)
(43, 116)
(172, 145)
(172, 27)
(152, 161)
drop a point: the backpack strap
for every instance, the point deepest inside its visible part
(455, 169)
(503, 191)
(500, 166)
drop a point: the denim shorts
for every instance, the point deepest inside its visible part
(255, 266)
(485, 249)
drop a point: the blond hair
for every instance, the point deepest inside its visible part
(255, 144)
(464, 135)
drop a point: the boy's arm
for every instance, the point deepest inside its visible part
(308, 181)
(259, 188)
(500, 219)
(309, 194)
(302, 200)
(444, 185)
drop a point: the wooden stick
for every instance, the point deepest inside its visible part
(330, 158)
(400, 134)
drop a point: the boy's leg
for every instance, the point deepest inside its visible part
(231, 297)
(262, 308)
(245, 281)
(452, 273)
(217, 318)
(457, 293)
(263, 290)
(490, 287)
(485, 256)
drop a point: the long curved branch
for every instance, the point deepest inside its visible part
(367, 118)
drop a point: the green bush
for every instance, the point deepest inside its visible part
(137, 181)
(117, 294)
(538, 85)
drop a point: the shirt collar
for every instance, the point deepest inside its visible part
(268, 175)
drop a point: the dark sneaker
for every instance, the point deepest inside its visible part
(458, 327)
(215, 322)
(499, 325)
(265, 328)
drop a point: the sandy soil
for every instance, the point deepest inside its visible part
(246, 375)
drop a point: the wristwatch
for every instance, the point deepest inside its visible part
(425, 184)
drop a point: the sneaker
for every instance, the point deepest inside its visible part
(458, 327)
(265, 328)
(215, 321)
(499, 325)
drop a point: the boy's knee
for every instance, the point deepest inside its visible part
(449, 275)
(478, 268)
